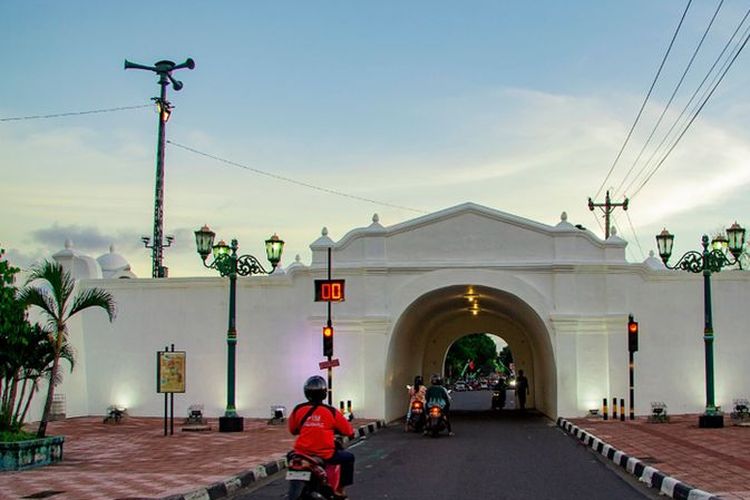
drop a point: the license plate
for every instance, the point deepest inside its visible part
(298, 475)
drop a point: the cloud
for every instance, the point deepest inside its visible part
(88, 239)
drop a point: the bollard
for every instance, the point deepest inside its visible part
(605, 410)
(341, 406)
(349, 406)
(614, 408)
(622, 408)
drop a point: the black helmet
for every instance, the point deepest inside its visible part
(315, 389)
(436, 379)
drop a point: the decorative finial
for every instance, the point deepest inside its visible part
(564, 216)
(650, 254)
(375, 218)
(112, 248)
(613, 231)
(297, 259)
(68, 243)
(324, 231)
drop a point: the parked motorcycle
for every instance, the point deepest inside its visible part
(416, 419)
(310, 478)
(435, 422)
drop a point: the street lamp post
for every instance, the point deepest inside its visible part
(228, 263)
(710, 260)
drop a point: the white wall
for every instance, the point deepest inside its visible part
(568, 302)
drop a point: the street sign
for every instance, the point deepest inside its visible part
(328, 364)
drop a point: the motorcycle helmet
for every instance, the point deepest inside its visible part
(436, 379)
(418, 381)
(315, 389)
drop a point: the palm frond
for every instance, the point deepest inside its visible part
(33, 296)
(93, 297)
(60, 282)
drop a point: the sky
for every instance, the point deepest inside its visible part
(415, 106)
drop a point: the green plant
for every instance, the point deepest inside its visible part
(13, 436)
(24, 353)
(52, 289)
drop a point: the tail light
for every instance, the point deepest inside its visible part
(416, 405)
(435, 411)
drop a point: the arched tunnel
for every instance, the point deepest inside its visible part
(430, 324)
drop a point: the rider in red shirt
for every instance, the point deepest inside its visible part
(316, 425)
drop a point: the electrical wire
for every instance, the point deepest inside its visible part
(292, 181)
(635, 235)
(671, 98)
(668, 135)
(648, 95)
(74, 113)
(695, 115)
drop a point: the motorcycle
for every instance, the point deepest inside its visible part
(435, 422)
(416, 418)
(498, 399)
(310, 478)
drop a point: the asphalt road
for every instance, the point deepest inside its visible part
(494, 455)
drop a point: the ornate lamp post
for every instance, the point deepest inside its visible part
(711, 260)
(228, 263)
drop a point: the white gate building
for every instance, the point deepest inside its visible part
(558, 295)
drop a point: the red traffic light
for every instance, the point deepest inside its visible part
(328, 341)
(632, 334)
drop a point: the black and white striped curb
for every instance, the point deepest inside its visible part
(666, 485)
(228, 487)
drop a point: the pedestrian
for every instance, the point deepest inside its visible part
(522, 389)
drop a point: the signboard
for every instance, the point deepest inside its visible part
(170, 371)
(329, 291)
(328, 364)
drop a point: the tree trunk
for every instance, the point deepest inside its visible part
(42, 432)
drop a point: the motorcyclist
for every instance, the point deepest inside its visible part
(438, 395)
(315, 424)
(500, 387)
(417, 392)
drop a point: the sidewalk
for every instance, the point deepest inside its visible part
(134, 460)
(716, 461)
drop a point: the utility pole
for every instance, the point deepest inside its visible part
(164, 107)
(607, 207)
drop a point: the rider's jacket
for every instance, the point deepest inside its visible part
(438, 395)
(317, 432)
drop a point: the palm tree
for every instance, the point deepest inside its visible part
(50, 287)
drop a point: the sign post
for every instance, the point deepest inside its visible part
(170, 378)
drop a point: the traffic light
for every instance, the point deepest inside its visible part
(328, 341)
(632, 334)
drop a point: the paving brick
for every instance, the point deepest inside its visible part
(133, 459)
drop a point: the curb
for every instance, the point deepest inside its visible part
(230, 486)
(654, 478)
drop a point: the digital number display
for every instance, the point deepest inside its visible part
(329, 291)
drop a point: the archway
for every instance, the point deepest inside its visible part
(431, 323)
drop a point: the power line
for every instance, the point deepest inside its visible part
(635, 235)
(671, 98)
(292, 181)
(666, 155)
(693, 96)
(74, 113)
(648, 95)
